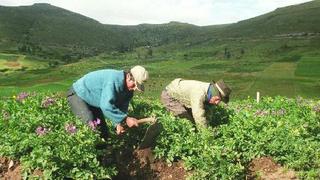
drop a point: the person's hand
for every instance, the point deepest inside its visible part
(131, 122)
(119, 129)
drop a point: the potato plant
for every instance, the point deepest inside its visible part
(41, 132)
(288, 130)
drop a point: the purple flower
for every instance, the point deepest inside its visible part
(70, 128)
(22, 96)
(47, 102)
(98, 121)
(41, 131)
(94, 123)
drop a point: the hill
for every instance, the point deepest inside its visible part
(53, 32)
(301, 19)
(50, 31)
(44, 29)
(286, 59)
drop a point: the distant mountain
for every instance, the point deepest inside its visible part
(49, 31)
(296, 19)
(42, 27)
(56, 32)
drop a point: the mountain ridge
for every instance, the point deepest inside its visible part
(46, 30)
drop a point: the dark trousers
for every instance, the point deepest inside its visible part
(86, 112)
(174, 106)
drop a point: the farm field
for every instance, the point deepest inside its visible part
(45, 48)
(241, 138)
(236, 144)
(286, 74)
(13, 62)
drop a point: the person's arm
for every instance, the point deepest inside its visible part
(107, 105)
(198, 110)
(130, 121)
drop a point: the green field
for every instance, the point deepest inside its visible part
(10, 63)
(309, 67)
(41, 132)
(264, 66)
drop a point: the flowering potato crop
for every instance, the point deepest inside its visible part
(288, 130)
(40, 131)
(43, 134)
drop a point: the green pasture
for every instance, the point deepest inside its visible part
(272, 67)
(309, 67)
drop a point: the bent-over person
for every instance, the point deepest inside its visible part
(107, 93)
(188, 98)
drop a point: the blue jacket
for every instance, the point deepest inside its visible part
(106, 90)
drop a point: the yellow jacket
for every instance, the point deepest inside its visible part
(192, 94)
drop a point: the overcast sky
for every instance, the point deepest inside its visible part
(133, 12)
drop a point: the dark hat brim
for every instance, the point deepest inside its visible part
(225, 99)
(140, 87)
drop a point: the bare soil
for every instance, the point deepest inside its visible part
(9, 169)
(12, 64)
(265, 168)
(141, 164)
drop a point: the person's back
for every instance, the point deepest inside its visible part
(187, 90)
(91, 86)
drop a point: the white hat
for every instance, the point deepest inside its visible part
(140, 74)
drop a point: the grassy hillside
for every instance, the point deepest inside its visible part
(296, 20)
(53, 32)
(273, 67)
(285, 62)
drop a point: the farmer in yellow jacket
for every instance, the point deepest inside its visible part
(187, 98)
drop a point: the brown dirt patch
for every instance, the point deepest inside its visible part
(132, 165)
(141, 164)
(9, 169)
(12, 64)
(265, 168)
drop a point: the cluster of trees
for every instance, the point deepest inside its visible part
(65, 54)
(228, 54)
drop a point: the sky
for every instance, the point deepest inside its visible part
(133, 12)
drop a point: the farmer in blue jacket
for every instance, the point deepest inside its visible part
(106, 93)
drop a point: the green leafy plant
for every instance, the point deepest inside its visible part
(40, 131)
